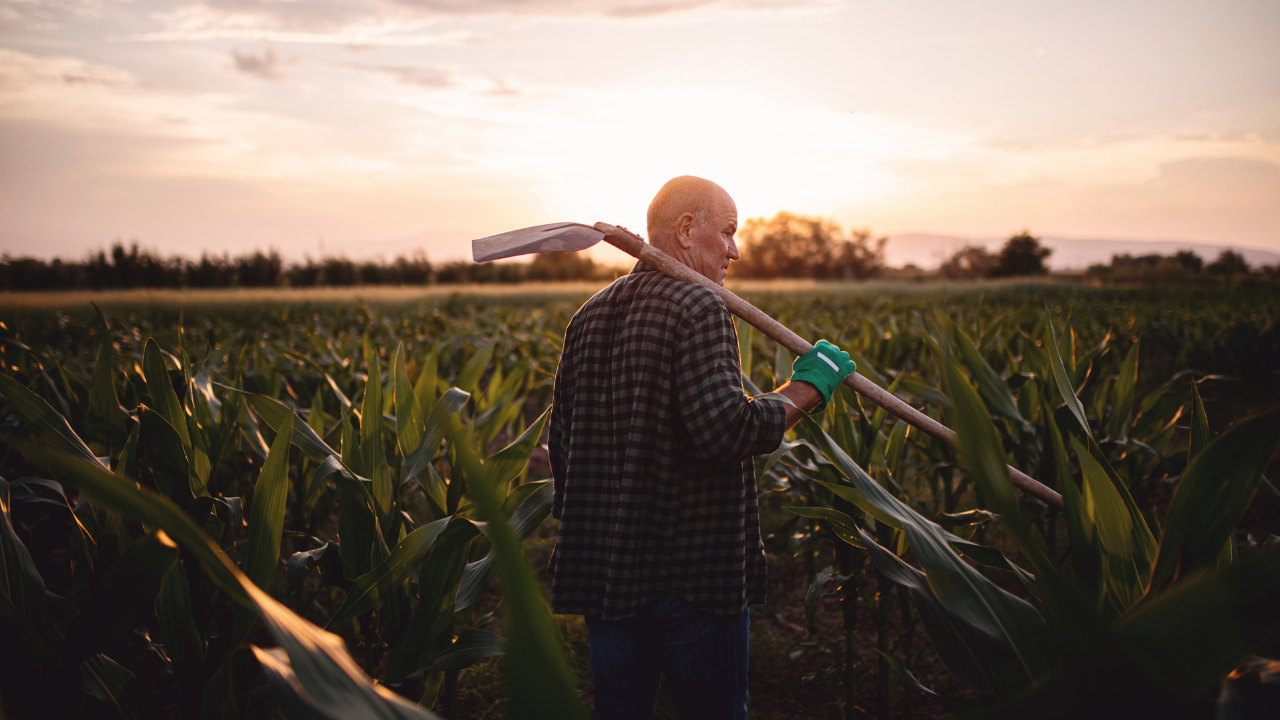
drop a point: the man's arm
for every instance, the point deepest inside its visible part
(805, 396)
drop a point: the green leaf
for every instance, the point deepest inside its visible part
(1122, 569)
(1080, 530)
(1064, 383)
(164, 452)
(446, 407)
(510, 461)
(1212, 495)
(375, 461)
(109, 681)
(126, 498)
(373, 587)
(104, 422)
(182, 639)
(274, 413)
(266, 519)
(438, 589)
(469, 378)
(744, 345)
(960, 588)
(478, 575)
(990, 384)
(124, 594)
(1200, 435)
(975, 658)
(317, 661)
(425, 386)
(1123, 395)
(539, 681)
(20, 581)
(409, 421)
(156, 373)
(471, 646)
(781, 366)
(45, 422)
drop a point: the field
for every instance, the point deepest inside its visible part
(189, 503)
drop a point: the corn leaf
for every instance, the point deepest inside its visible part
(992, 387)
(471, 646)
(438, 589)
(374, 587)
(104, 422)
(1064, 383)
(142, 504)
(375, 462)
(478, 576)
(469, 377)
(169, 467)
(1212, 495)
(410, 423)
(182, 639)
(46, 423)
(156, 373)
(510, 461)
(539, 681)
(1200, 435)
(1123, 396)
(20, 581)
(266, 519)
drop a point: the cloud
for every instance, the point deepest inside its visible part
(409, 23)
(431, 78)
(266, 66)
(19, 70)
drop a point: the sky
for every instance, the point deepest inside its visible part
(379, 128)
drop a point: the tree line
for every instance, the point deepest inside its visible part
(133, 267)
(1180, 267)
(787, 245)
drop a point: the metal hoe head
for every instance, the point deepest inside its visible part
(553, 237)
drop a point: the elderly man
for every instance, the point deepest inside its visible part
(651, 441)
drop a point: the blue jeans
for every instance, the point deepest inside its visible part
(703, 656)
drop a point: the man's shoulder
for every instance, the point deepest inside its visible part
(651, 289)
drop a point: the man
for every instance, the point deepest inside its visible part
(651, 441)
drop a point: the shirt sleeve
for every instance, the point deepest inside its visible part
(557, 440)
(722, 424)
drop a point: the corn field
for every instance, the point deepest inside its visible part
(319, 512)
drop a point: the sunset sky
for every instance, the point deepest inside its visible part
(382, 127)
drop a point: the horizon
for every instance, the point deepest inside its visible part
(366, 128)
(927, 259)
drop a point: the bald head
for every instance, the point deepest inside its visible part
(694, 221)
(685, 194)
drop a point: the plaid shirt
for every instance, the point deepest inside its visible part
(651, 441)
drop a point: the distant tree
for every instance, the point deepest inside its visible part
(1189, 261)
(795, 246)
(556, 266)
(1229, 262)
(259, 270)
(970, 261)
(1021, 255)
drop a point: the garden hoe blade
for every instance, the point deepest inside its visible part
(554, 237)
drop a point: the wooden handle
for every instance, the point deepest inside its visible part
(636, 247)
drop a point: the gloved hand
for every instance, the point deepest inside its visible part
(823, 367)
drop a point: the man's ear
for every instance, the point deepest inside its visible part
(683, 232)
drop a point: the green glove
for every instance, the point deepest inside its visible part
(823, 367)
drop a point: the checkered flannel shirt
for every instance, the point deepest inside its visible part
(651, 441)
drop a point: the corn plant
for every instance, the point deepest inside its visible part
(1099, 634)
(158, 528)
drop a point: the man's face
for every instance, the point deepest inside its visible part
(713, 246)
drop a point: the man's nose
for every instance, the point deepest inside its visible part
(733, 250)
